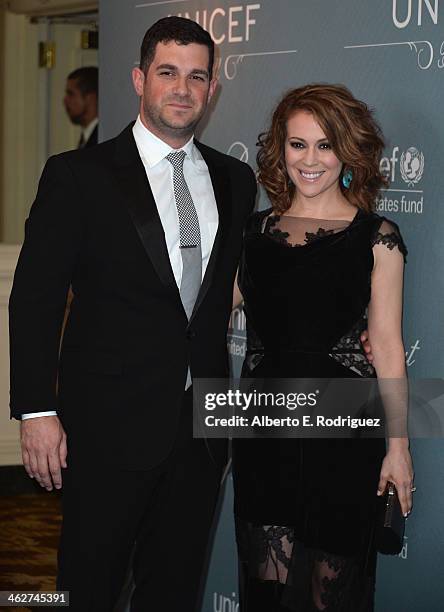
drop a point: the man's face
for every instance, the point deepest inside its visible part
(75, 102)
(175, 90)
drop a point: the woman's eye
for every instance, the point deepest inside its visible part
(325, 145)
(297, 145)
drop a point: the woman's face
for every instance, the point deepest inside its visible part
(311, 164)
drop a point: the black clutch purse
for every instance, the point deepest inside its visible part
(391, 524)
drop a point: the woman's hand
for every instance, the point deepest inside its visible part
(397, 467)
(367, 346)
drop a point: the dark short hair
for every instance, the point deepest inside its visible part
(178, 29)
(87, 79)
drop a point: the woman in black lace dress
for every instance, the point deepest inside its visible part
(318, 268)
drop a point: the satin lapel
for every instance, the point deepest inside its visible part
(220, 179)
(136, 192)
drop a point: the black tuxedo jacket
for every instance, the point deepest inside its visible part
(127, 344)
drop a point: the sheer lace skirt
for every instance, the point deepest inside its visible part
(279, 573)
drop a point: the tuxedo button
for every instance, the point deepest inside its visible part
(191, 334)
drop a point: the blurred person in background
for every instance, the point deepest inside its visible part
(81, 103)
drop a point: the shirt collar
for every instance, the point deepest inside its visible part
(152, 149)
(90, 129)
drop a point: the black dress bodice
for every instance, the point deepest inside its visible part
(306, 285)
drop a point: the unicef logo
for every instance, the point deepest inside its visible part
(239, 150)
(412, 166)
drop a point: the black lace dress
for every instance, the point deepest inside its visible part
(306, 509)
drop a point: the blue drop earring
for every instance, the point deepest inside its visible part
(347, 178)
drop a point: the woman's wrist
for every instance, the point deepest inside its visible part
(398, 444)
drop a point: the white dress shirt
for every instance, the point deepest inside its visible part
(86, 132)
(152, 151)
(159, 171)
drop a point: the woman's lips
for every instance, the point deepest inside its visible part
(311, 177)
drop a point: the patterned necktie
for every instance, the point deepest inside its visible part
(190, 244)
(188, 220)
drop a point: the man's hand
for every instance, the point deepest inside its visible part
(367, 346)
(44, 450)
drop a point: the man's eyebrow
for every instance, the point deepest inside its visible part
(200, 71)
(166, 67)
(172, 67)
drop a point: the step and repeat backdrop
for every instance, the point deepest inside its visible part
(390, 53)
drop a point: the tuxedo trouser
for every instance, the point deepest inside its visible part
(164, 516)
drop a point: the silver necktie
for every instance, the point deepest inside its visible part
(190, 243)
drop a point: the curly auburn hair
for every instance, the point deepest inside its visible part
(351, 130)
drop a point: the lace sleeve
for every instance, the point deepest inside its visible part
(388, 234)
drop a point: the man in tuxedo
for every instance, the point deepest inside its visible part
(81, 103)
(147, 228)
